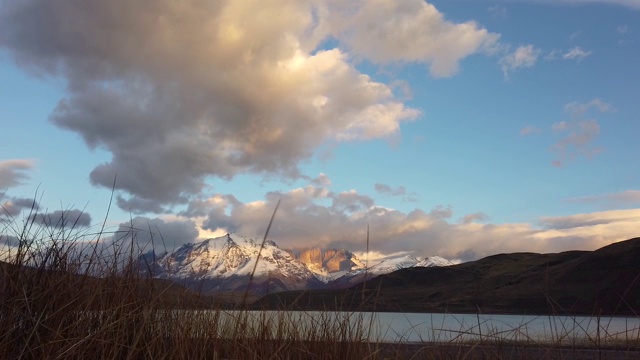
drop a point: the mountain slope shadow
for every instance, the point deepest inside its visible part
(600, 282)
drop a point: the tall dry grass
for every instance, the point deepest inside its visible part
(67, 293)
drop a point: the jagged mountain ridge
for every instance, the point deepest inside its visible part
(603, 282)
(225, 264)
(388, 266)
(331, 264)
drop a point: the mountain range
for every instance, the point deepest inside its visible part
(226, 263)
(605, 281)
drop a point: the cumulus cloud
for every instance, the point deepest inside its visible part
(310, 216)
(576, 136)
(409, 31)
(522, 57)
(63, 219)
(179, 92)
(14, 172)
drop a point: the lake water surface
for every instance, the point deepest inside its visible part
(421, 327)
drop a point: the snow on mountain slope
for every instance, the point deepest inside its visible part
(388, 266)
(226, 262)
(393, 264)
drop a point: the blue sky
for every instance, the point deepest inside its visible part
(458, 128)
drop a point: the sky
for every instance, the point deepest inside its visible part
(448, 127)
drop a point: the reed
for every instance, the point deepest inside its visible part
(66, 295)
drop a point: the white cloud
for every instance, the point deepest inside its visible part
(408, 31)
(522, 57)
(312, 216)
(576, 53)
(179, 92)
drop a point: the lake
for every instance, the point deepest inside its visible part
(421, 327)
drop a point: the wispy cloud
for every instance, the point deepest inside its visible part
(498, 11)
(475, 217)
(576, 136)
(522, 57)
(14, 172)
(634, 4)
(628, 197)
(529, 130)
(624, 37)
(388, 190)
(400, 191)
(576, 53)
(580, 109)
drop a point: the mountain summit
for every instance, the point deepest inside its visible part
(225, 264)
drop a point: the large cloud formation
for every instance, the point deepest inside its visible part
(179, 91)
(314, 215)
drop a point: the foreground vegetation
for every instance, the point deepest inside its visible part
(64, 295)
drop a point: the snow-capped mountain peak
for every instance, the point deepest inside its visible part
(229, 260)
